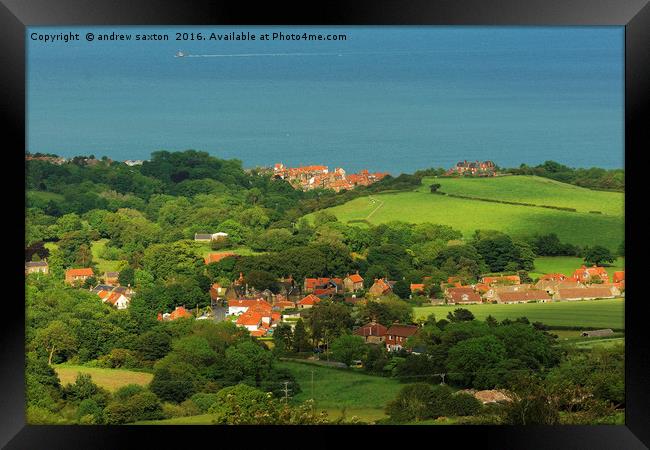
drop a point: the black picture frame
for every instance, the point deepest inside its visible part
(16, 15)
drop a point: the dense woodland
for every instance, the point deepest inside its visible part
(149, 214)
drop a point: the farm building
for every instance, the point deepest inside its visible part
(397, 335)
(586, 293)
(523, 297)
(373, 333)
(36, 267)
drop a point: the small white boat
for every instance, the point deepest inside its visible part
(180, 54)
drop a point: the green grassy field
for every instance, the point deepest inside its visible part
(607, 313)
(334, 389)
(567, 265)
(105, 265)
(519, 221)
(531, 189)
(110, 379)
(202, 419)
(42, 197)
(203, 249)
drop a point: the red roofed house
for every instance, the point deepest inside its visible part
(217, 291)
(524, 296)
(586, 274)
(284, 304)
(353, 282)
(240, 306)
(250, 320)
(178, 313)
(462, 295)
(553, 277)
(308, 301)
(373, 333)
(380, 287)
(397, 335)
(216, 257)
(417, 288)
(587, 293)
(619, 279)
(504, 279)
(117, 299)
(74, 276)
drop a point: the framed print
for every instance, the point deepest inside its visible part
(364, 222)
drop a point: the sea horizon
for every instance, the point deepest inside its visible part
(387, 99)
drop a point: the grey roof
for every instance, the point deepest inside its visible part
(36, 264)
(103, 287)
(202, 236)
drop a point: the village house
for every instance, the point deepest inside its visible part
(353, 283)
(318, 176)
(289, 287)
(417, 288)
(588, 274)
(476, 168)
(178, 313)
(309, 301)
(502, 279)
(372, 333)
(36, 267)
(586, 293)
(324, 285)
(552, 286)
(380, 287)
(488, 396)
(462, 295)
(553, 277)
(217, 291)
(78, 276)
(111, 278)
(240, 306)
(493, 292)
(523, 296)
(119, 297)
(209, 237)
(397, 334)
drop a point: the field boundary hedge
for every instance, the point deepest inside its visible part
(492, 200)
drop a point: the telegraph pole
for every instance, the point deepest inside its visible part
(286, 392)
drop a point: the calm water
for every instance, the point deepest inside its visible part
(394, 99)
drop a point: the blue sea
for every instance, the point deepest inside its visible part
(393, 99)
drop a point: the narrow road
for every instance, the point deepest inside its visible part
(373, 200)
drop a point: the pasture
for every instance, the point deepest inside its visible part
(334, 389)
(467, 215)
(567, 265)
(105, 265)
(531, 189)
(608, 313)
(110, 379)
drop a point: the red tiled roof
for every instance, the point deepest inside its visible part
(554, 277)
(588, 292)
(371, 329)
(415, 287)
(247, 303)
(179, 312)
(513, 278)
(463, 294)
(523, 296)
(285, 304)
(87, 272)
(402, 330)
(311, 299)
(249, 318)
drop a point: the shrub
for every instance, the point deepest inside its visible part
(463, 404)
(118, 358)
(142, 406)
(203, 400)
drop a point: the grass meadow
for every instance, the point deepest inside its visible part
(608, 313)
(567, 265)
(467, 215)
(110, 379)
